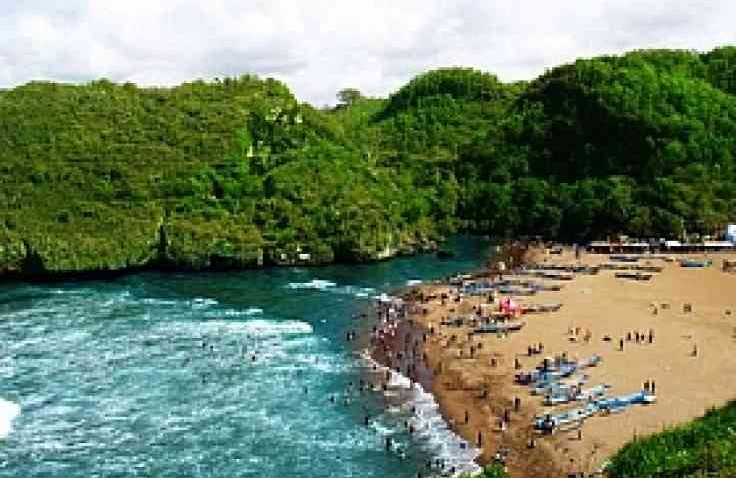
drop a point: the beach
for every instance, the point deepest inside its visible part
(685, 320)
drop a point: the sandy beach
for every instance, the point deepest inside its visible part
(690, 314)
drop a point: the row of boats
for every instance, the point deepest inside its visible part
(574, 418)
(561, 382)
(508, 286)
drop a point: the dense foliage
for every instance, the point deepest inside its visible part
(225, 174)
(238, 173)
(705, 447)
(639, 144)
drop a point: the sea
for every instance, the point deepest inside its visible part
(231, 374)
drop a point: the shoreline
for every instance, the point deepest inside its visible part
(217, 266)
(473, 377)
(405, 333)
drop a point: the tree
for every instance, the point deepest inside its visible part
(349, 96)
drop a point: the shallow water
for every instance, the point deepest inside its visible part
(153, 375)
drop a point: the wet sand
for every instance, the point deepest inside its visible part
(686, 385)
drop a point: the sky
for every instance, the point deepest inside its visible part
(319, 47)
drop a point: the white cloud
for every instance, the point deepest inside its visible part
(320, 46)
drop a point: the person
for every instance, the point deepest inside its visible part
(621, 345)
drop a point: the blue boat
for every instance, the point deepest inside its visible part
(695, 262)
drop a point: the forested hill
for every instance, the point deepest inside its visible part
(239, 173)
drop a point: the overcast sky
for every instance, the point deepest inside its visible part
(320, 46)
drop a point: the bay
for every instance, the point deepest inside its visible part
(205, 375)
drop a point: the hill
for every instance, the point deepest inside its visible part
(238, 173)
(233, 173)
(705, 447)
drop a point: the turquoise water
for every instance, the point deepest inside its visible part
(153, 375)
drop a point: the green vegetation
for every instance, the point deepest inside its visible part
(228, 174)
(705, 447)
(238, 173)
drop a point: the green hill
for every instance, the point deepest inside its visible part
(239, 173)
(226, 174)
(705, 447)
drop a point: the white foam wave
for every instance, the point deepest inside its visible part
(412, 282)
(431, 428)
(202, 302)
(384, 297)
(317, 284)
(356, 291)
(254, 328)
(235, 312)
(326, 285)
(8, 412)
(272, 327)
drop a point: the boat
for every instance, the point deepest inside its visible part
(555, 369)
(514, 290)
(557, 275)
(695, 262)
(556, 387)
(537, 308)
(623, 258)
(641, 276)
(498, 327)
(551, 421)
(588, 394)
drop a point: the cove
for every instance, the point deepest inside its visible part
(208, 375)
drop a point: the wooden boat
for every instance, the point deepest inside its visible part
(538, 308)
(497, 327)
(634, 275)
(623, 258)
(695, 262)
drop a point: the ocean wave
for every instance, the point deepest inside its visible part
(412, 282)
(203, 302)
(333, 287)
(272, 327)
(356, 291)
(316, 284)
(448, 446)
(384, 297)
(254, 327)
(429, 425)
(9, 411)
